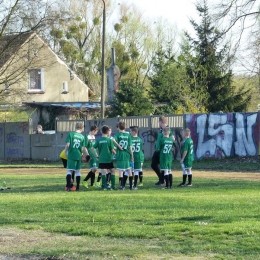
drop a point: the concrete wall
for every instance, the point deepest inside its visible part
(221, 135)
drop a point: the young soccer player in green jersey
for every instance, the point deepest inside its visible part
(164, 147)
(75, 145)
(105, 147)
(125, 155)
(137, 147)
(156, 156)
(187, 159)
(93, 163)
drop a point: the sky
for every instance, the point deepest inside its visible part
(176, 11)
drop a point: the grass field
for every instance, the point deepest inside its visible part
(217, 218)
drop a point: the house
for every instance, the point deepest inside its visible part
(33, 76)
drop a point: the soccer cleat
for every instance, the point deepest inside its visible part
(157, 183)
(114, 188)
(141, 184)
(97, 184)
(165, 188)
(182, 185)
(189, 185)
(73, 188)
(85, 184)
(66, 188)
(134, 188)
(122, 188)
(108, 187)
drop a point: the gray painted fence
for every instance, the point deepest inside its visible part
(18, 141)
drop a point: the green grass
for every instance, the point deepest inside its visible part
(215, 219)
(227, 164)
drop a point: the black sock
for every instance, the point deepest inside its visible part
(99, 177)
(124, 180)
(170, 180)
(135, 180)
(121, 181)
(92, 179)
(140, 177)
(88, 176)
(78, 182)
(190, 179)
(162, 177)
(108, 177)
(184, 178)
(68, 180)
(131, 181)
(166, 177)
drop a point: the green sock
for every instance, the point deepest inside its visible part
(104, 181)
(113, 181)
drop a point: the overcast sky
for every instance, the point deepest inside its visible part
(176, 11)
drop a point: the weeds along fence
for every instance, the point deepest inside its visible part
(214, 135)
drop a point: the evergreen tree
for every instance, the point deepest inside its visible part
(213, 66)
(170, 86)
(130, 100)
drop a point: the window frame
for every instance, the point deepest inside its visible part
(38, 90)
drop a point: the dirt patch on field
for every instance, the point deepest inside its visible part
(253, 176)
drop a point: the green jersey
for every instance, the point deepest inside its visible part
(165, 148)
(137, 146)
(77, 141)
(188, 146)
(105, 146)
(125, 141)
(160, 136)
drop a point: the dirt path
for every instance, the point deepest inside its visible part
(254, 176)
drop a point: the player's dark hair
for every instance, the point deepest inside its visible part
(104, 129)
(134, 129)
(121, 125)
(93, 128)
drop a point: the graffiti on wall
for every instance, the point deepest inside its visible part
(15, 145)
(220, 135)
(149, 136)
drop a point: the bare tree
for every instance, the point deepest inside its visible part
(232, 12)
(18, 23)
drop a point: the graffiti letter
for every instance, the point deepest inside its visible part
(245, 143)
(223, 133)
(206, 147)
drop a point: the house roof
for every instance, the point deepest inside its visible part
(10, 44)
(77, 105)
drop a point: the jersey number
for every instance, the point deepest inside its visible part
(136, 148)
(123, 144)
(167, 148)
(76, 143)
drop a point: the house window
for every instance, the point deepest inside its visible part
(36, 80)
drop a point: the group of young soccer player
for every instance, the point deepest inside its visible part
(127, 149)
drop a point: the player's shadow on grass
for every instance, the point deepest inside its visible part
(194, 218)
(35, 189)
